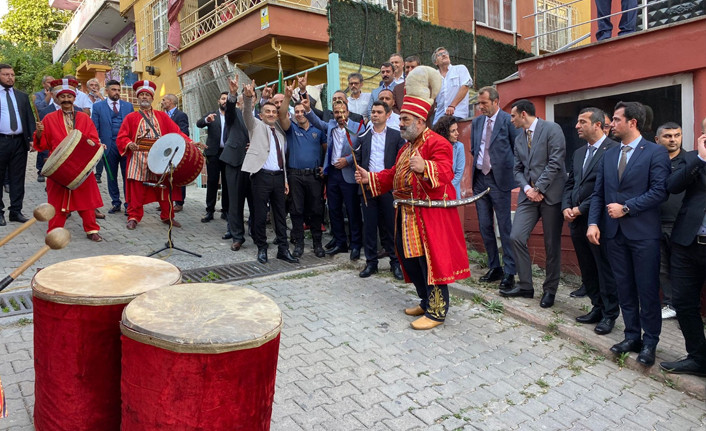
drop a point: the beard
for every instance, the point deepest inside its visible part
(410, 132)
(114, 97)
(144, 104)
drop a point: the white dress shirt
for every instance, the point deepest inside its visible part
(486, 139)
(456, 76)
(377, 150)
(5, 113)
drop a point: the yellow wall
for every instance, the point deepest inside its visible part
(583, 14)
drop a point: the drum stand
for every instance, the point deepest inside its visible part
(167, 175)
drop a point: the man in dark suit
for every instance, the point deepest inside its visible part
(593, 260)
(377, 151)
(215, 122)
(17, 126)
(492, 143)
(625, 214)
(237, 184)
(42, 99)
(169, 105)
(689, 257)
(108, 115)
(540, 150)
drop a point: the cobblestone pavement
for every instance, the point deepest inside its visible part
(349, 360)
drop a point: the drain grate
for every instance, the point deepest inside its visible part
(250, 269)
(14, 303)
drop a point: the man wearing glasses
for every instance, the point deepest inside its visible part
(358, 101)
(453, 97)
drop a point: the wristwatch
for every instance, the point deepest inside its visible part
(626, 210)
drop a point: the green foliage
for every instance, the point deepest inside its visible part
(30, 62)
(100, 56)
(32, 21)
(373, 43)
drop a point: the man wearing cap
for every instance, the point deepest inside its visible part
(429, 240)
(145, 124)
(51, 131)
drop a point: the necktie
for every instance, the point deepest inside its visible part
(529, 139)
(115, 107)
(623, 160)
(485, 167)
(280, 162)
(591, 152)
(11, 110)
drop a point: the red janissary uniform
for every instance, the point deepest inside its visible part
(86, 197)
(138, 194)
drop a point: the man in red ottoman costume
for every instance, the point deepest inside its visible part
(50, 132)
(144, 125)
(429, 241)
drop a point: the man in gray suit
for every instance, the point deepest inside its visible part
(540, 149)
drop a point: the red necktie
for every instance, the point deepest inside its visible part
(115, 107)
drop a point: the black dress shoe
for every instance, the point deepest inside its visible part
(647, 355)
(685, 366)
(355, 253)
(508, 281)
(547, 300)
(18, 217)
(494, 274)
(227, 235)
(114, 209)
(605, 326)
(331, 244)
(286, 256)
(594, 316)
(319, 251)
(517, 292)
(369, 270)
(627, 346)
(397, 272)
(298, 250)
(262, 255)
(337, 249)
(579, 293)
(2, 220)
(40, 178)
(224, 215)
(207, 217)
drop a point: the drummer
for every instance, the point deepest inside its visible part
(51, 131)
(140, 127)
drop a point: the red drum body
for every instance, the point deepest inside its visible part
(199, 357)
(186, 159)
(77, 309)
(73, 160)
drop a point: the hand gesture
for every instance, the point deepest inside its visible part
(289, 90)
(210, 118)
(362, 176)
(303, 81)
(268, 92)
(416, 163)
(701, 145)
(233, 85)
(249, 90)
(307, 105)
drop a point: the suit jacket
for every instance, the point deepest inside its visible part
(26, 116)
(346, 152)
(237, 137)
(259, 149)
(690, 179)
(502, 143)
(182, 120)
(328, 114)
(102, 114)
(542, 166)
(579, 186)
(393, 144)
(215, 128)
(642, 188)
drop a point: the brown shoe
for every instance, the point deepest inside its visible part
(236, 246)
(131, 224)
(178, 208)
(414, 311)
(94, 237)
(424, 323)
(174, 222)
(99, 215)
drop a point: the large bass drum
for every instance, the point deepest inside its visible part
(184, 156)
(73, 160)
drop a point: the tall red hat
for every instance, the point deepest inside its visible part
(421, 87)
(144, 85)
(60, 86)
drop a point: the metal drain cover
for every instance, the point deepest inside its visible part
(250, 269)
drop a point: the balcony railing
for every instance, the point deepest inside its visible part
(212, 15)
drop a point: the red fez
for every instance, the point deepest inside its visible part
(60, 86)
(144, 85)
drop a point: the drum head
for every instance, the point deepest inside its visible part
(61, 153)
(161, 153)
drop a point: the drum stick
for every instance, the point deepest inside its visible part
(56, 239)
(107, 167)
(43, 212)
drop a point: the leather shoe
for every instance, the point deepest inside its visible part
(40, 178)
(355, 253)
(98, 180)
(227, 235)
(114, 209)
(174, 222)
(337, 249)
(517, 292)
(369, 270)
(2, 220)
(178, 208)
(417, 310)
(547, 300)
(494, 274)
(207, 217)
(100, 215)
(18, 217)
(94, 237)
(647, 356)
(383, 253)
(579, 293)
(508, 281)
(397, 272)
(224, 215)
(131, 224)
(331, 244)
(298, 250)
(605, 326)
(286, 256)
(685, 366)
(627, 346)
(424, 323)
(593, 316)
(236, 246)
(319, 251)
(262, 255)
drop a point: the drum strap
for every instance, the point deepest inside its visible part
(149, 123)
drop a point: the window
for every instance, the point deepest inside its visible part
(555, 21)
(160, 26)
(495, 13)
